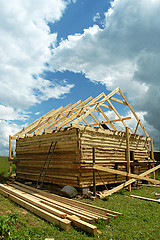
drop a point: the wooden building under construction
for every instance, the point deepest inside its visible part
(70, 138)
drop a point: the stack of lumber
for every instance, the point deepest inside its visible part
(56, 209)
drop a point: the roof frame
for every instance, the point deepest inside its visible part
(74, 114)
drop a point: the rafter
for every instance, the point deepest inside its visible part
(77, 113)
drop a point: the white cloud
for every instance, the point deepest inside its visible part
(9, 113)
(96, 17)
(25, 48)
(125, 53)
(50, 90)
(6, 129)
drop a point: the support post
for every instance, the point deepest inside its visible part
(10, 155)
(94, 173)
(128, 156)
(152, 157)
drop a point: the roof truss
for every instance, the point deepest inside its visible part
(75, 114)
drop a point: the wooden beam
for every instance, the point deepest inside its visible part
(10, 154)
(95, 120)
(72, 201)
(108, 193)
(133, 112)
(62, 223)
(128, 157)
(67, 207)
(97, 104)
(54, 118)
(136, 127)
(116, 120)
(118, 101)
(36, 122)
(152, 157)
(126, 174)
(32, 199)
(94, 173)
(147, 199)
(113, 108)
(69, 116)
(104, 115)
(66, 114)
(87, 227)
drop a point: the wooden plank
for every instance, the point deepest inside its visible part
(138, 120)
(86, 216)
(116, 120)
(10, 155)
(104, 115)
(126, 174)
(95, 120)
(83, 214)
(97, 104)
(118, 101)
(152, 156)
(85, 205)
(64, 115)
(33, 200)
(62, 223)
(87, 227)
(116, 112)
(108, 193)
(36, 122)
(69, 116)
(128, 157)
(144, 198)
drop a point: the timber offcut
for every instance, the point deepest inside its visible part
(58, 147)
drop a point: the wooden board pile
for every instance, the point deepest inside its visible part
(56, 209)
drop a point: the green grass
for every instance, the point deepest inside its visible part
(4, 167)
(140, 219)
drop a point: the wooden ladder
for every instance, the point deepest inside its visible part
(46, 164)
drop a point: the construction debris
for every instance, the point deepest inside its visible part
(56, 209)
(157, 194)
(148, 185)
(147, 199)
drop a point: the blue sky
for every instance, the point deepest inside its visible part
(54, 52)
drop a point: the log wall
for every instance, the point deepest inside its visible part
(32, 153)
(110, 151)
(73, 156)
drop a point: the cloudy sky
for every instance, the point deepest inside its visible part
(54, 52)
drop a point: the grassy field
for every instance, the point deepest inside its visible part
(4, 167)
(140, 219)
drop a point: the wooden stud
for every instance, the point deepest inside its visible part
(10, 154)
(152, 157)
(118, 101)
(128, 156)
(125, 99)
(94, 173)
